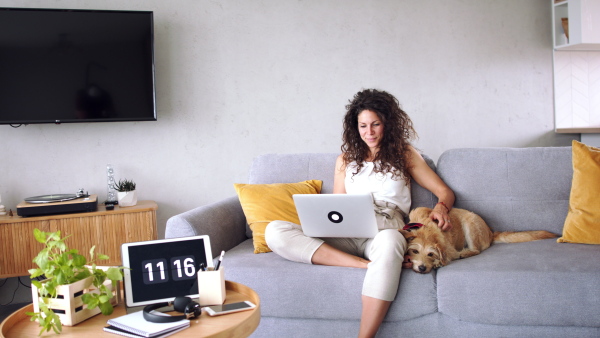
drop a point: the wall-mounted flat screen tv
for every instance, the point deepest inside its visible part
(63, 66)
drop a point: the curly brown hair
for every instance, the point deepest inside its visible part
(397, 133)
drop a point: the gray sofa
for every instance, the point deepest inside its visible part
(536, 289)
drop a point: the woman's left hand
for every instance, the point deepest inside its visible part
(442, 217)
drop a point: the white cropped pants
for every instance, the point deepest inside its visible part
(385, 251)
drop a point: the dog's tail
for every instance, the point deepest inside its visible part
(521, 236)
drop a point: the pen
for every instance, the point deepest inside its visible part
(220, 260)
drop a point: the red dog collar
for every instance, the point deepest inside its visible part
(411, 226)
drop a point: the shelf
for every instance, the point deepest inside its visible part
(579, 47)
(583, 130)
(559, 10)
(583, 17)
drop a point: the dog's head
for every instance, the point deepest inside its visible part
(423, 250)
(424, 255)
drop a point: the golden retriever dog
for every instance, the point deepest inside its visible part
(430, 248)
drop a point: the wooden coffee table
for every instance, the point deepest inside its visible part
(240, 324)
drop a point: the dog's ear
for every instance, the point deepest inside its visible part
(407, 235)
(443, 259)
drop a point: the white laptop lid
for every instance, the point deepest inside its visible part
(336, 215)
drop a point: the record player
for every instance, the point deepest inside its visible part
(57, 204)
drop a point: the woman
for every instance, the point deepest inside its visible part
(376, 158)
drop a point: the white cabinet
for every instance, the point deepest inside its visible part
(583, 24)
(576, 63)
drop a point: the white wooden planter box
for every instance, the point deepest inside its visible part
(68, 305)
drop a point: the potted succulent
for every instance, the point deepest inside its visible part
(126, 194)
(72, 289)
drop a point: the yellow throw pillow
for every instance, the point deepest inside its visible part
(264, 203)
(582, 224)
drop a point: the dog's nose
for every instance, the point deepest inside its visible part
(422, 268)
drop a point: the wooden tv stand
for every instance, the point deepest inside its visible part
(107, 229)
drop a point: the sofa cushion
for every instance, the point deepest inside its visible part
(582, 224)
(511, 188)
(295, 290)
(264, 203)
(535, 283)
(288, 168)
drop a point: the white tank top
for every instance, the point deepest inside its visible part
(384, 187)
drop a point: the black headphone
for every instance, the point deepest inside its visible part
(189, 308)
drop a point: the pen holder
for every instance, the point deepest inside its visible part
(211, 287)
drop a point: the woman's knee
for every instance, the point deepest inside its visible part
(275, 233)
(390, 241)
(288, 241)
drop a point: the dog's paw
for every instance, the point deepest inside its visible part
(468, 253)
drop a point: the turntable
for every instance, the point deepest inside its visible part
(57, 204)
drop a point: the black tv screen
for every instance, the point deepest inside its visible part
(62, 66)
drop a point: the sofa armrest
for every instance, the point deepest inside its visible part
(223, 221)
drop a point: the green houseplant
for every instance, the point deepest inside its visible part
(126, 193)
(60, 266)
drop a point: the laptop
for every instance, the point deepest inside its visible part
(336, 215)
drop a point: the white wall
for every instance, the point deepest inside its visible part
(239, 78)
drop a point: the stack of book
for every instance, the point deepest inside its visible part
(134, 325)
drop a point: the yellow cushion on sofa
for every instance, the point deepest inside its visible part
(582, 224)
(264, 203)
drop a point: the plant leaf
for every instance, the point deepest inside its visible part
(61, 245)
(60, 277)
(85, 298)
(104, 290)
(106, 308)
(83, 274)
(91, 300)
(57, 324)
(39, 235)
(36, 283)
(53, 235)
(41, 259)
(78, 260)
(114, 274)
(35, 273)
